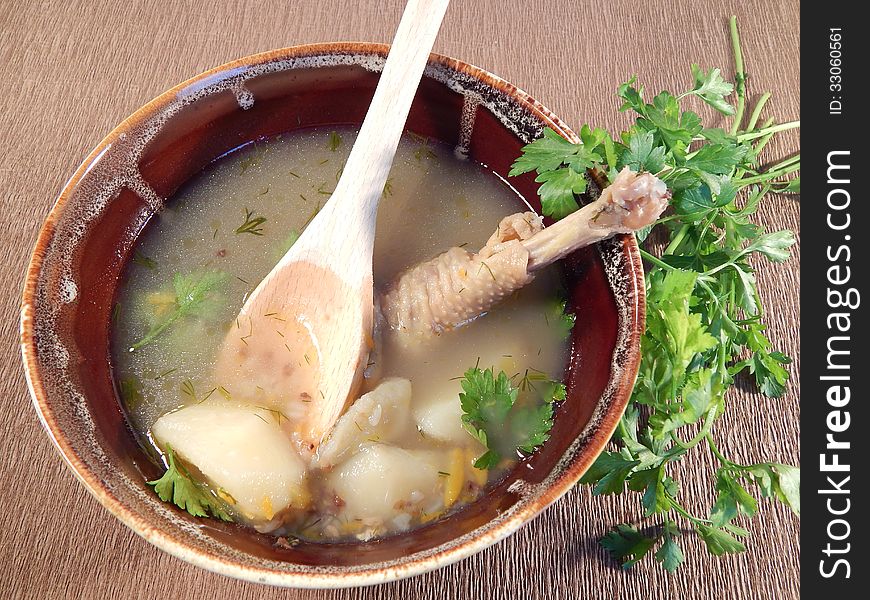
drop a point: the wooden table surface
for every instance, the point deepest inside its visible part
(71, 70)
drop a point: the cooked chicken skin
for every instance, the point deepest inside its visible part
(458, 286)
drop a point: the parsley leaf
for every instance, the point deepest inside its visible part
(557, 193)
(609, 472)
(546, 154)
(773, 245)
(721, 541)
(642, 154)
(733, 499)
(627, 545)
(493, 417)
(718, 159)
(561, 166)
(712, 89)
(486, 401)
(177, 487)
(557, 316)
(670, 555)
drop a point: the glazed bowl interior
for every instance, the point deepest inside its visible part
(89, 236)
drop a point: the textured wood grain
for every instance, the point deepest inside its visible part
(72, 70)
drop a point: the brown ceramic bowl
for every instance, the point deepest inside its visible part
(87, 238)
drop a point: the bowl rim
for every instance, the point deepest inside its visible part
(363, 575)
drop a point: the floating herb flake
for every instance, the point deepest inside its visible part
(251, 224)
(334, 141)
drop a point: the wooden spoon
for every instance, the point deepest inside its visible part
(302, 339)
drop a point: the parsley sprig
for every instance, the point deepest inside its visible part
(492, 415)
(178, 487)
(704, 314)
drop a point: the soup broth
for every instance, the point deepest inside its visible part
(400, 456)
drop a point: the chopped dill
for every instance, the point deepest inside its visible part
(312, 215)
(249, 161)
(141, 259)
(388, 188)
(293, 174)
(187, 389)
(193, 296)
(130, 391)
(483, 264)
(424, 151)
(275, 413)
(251, 224)
(334, 141)
(420, 139)
(165, 373)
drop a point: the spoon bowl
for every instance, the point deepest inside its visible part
(304, 334)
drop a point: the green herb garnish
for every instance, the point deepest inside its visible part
(141, 259)
(491, 415)
(250, 160)
(177, 487)
(188, 389)
(703, 308)
(557, 316)
(334, 141)
(193, 296)
(131, 392)
(289, 241)
(251, 224)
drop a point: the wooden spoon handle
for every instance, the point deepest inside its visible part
(365, 173)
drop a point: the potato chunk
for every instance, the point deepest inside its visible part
(381, 482)
(441, 419)
(382, 415)
(243, 454)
